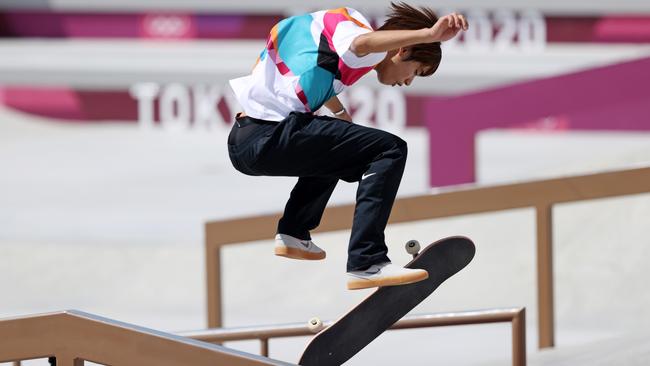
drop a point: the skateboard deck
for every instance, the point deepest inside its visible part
(386, 305)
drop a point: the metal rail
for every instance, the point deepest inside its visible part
(541, 195)
(516, 316)
(74, 337)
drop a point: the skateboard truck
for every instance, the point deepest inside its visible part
(413, 247)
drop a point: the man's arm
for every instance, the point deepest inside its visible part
(445, 29)
(335, 106)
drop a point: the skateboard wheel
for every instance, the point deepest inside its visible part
(412, 247)
(315, 325)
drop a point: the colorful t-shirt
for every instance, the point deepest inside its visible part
(306, 61)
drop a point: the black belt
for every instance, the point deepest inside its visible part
(247, 120)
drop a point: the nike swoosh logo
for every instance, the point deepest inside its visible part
(372, 272)
(305, 244)
(367, 175)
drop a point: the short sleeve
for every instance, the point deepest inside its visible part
(342, 39)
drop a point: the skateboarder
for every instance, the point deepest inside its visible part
(307, 61)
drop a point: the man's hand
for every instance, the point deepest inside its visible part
(448, 27)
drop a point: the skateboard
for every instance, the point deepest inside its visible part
(386, 305)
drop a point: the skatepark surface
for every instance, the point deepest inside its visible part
(108, 219)
(632, 349)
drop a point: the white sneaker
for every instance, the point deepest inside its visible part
(290, 247)
(385, 274)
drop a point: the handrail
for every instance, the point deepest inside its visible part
(73, 336)
(541, 195)
(516, 316)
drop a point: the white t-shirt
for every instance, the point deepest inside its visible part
(306, 61)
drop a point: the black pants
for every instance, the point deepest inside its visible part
(320, 151)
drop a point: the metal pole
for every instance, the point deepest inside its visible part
(264, 351)
(213, 281)
(545, 276)
(519, 339)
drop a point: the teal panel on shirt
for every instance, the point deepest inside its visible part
(317, 85)
(296, 46)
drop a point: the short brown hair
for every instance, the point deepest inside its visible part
(404, 16)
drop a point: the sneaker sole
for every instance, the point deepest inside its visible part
(294, 253)
(387, 281)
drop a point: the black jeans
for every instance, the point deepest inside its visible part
(320, 151)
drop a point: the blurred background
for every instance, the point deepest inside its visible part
(113, 124)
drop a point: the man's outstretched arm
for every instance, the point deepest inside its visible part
(445, 29)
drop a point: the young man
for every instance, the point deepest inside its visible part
(307, 61)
